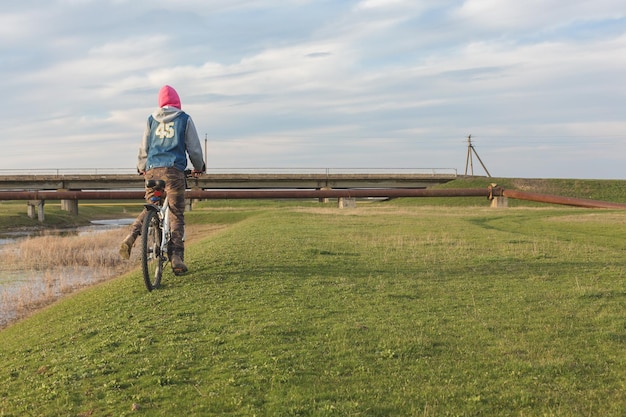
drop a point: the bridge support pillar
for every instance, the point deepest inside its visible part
(346, 202)
(70, 206)
(500, 202)
(35, 208)
(324, 199)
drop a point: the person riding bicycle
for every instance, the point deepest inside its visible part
(169, 136)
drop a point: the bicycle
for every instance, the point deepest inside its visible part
(155, 236)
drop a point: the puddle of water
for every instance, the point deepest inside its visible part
(96, 226)
(9, 278)
(30, 288)
(113, 222)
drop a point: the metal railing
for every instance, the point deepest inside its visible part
(322, 171)
(67, 171)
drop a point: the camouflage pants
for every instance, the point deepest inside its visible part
(175, 191)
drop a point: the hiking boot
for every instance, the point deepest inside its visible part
(178, 266)
(127, 245)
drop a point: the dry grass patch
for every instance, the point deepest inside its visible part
(97, 250)
(47, 267)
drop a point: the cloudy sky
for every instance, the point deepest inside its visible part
(539, 84)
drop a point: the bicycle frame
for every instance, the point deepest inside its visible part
(163, 211)
(156, 235)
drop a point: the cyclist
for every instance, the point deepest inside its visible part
(170, 135)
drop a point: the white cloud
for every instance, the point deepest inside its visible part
(544, 14)
(375, 82)
(376, 4)
(14, 26)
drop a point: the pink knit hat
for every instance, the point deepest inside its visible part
(168, 97)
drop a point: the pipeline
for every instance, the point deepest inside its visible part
(339, 193)
(568, 201)
(490, 192)
(72, 195)
(248, 194)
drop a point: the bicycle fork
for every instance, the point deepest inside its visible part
(166, 235)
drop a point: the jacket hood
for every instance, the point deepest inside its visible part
(166, 114)
(169, 97)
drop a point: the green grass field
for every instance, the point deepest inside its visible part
(401, 308)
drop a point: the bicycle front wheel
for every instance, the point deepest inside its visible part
(152, 259)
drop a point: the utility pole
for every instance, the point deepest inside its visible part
(206, 161)
(469, 162)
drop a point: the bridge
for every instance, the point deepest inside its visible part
(71, 185)
(251, 178)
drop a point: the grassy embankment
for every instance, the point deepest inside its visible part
(408, 307)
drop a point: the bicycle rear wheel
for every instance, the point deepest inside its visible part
(152, 259)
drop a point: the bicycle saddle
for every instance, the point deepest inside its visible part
(157, 184)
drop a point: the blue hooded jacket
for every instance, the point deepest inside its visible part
(169, 136)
